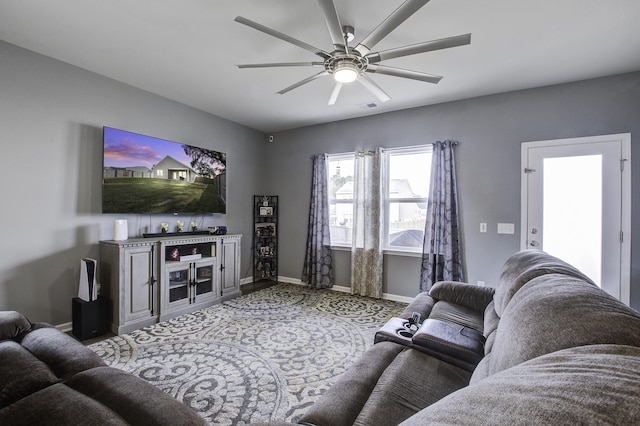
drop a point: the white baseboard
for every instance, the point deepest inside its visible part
(65, 327)
(345, 289)
(68, 326)
(247, 280)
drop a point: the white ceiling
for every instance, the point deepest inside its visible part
(187, 50)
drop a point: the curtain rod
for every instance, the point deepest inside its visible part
(346, 153)
(384, 149)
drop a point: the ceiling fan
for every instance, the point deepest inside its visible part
(346, 63)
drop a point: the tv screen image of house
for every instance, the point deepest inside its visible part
(143, 174)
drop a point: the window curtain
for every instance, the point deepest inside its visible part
(318, 263)
(441, 252)
(366, 250)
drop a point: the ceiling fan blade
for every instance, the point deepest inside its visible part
(427, 46)
(399, 72)
(371, 86)
(334, 93)
(281, 64)
(305, 81)
(333, 23)
(282, 36)
(398, 16)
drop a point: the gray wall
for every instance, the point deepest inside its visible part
(51, 118)
(491, 130)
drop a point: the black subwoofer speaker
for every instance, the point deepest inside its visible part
(89, 318)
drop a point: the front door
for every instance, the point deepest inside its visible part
(576, 205)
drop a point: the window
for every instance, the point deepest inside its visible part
(340, 170)
(407, 184)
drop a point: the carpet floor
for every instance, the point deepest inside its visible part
(265, 356)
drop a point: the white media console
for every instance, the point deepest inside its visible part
(155, 279)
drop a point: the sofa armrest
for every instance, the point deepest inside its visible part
(468, 295)
(422, 303)
(12, 324)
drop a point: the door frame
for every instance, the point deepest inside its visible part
(625, 219)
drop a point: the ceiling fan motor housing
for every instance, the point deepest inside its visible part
(350, 65)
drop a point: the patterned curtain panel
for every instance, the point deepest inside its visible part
(366, 250)
(441, 253)
(318, 263)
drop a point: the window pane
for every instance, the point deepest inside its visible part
(406, 224)
(409, 175)
(340, 175)
(408, 185)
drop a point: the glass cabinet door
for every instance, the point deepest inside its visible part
(178, 283)
(203, 279)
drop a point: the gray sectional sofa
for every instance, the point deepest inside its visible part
(557, 350)
(49, 378)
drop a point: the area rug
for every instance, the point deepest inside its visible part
(265, 356)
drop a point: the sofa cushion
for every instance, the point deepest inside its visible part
(12, 324)
(468, 295)
(59, 405)
(595, 384)
(524, 266)
(457, 314)
(491, 321)
(412, 382)
(554, 312)
(386, 385)
(61, 352)
(133, 399)
(21, 373)
(343, 401)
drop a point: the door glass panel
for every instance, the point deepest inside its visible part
(572, 212)
(204, 279)
(178, 285)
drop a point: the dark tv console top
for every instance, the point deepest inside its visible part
(175, 234)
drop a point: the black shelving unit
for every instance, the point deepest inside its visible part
(265, 238)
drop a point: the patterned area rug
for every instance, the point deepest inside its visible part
(265, 356)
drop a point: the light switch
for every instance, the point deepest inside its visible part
(483, 227)
(506, 228)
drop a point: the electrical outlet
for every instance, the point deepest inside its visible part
(481, 283)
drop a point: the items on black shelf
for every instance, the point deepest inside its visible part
(218, 230)
(266, 229)
(265, 239)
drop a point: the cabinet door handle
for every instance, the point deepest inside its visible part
(192, 295)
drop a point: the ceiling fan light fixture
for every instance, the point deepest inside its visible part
(346, 72)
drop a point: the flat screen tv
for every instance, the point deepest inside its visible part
(147, 175)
